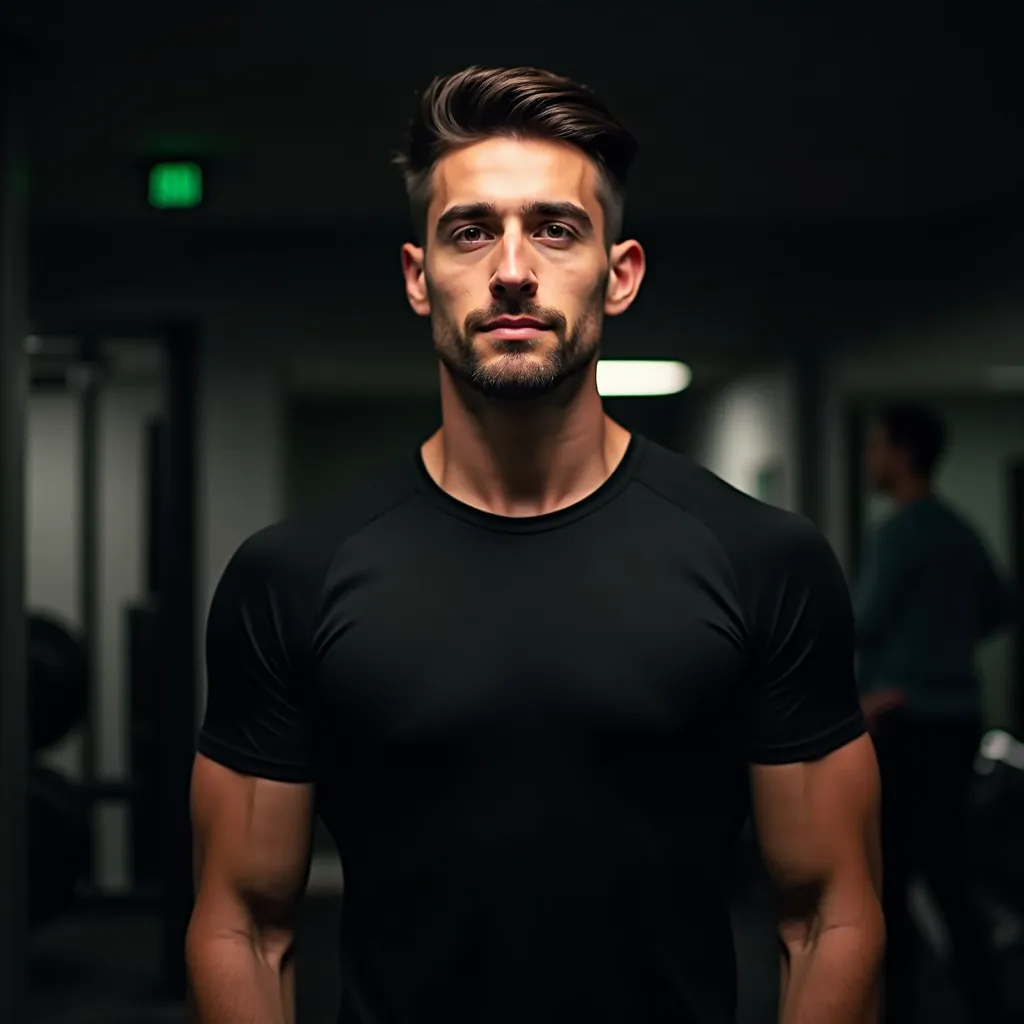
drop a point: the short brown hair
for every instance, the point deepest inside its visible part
(521, 102)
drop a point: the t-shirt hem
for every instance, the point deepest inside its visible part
(246, 764)
(814, 748)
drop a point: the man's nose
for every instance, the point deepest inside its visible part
(513, 277)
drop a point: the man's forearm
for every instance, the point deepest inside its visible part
(835, 978)
(230, 983)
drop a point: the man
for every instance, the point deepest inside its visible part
(927, 596)
(523, 677)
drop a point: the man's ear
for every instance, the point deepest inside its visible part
(413, 269)
(626, 266)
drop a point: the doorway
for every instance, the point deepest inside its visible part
(111, 565)
(978, 477)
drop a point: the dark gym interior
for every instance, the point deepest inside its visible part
(202, 329)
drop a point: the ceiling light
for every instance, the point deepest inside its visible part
(620, 378)
(1005, 378)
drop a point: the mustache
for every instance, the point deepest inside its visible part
(512, 306)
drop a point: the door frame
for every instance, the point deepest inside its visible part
(1015, 498)
(177, 562)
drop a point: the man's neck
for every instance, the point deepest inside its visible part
(903, 492)
(523, 458)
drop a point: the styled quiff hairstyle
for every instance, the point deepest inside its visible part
(521, 103)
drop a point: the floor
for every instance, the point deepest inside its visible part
(102, 969)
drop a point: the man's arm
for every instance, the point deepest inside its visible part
(813, 776)
(817, 824)
(252, 784)
(252, 848)
(996, 600)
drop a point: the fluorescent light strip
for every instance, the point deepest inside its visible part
(1005, 378)
(634, 378)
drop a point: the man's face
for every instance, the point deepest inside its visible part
(515, 274)
(882, 459)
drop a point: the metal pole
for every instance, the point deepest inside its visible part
(87, 383)
(176, 703)
(1016, 489)
(14, 752)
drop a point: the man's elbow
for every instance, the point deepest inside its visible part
(867, 928)
(217, 931)
(855, 932)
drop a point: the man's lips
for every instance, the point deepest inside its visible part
(511, 328)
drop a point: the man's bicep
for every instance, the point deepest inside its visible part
(817, 825)
(252, 842)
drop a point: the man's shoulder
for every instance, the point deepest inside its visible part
(924, 523)
(748, 529)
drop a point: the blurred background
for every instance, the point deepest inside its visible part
(203, 326)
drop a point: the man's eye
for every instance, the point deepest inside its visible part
(469, 234)
(557, 232)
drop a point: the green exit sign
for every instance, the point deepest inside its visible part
(175, 186)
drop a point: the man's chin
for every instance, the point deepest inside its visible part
(520, 374)
(514, 386)
(517, 375)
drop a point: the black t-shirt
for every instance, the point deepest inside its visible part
(530, 736)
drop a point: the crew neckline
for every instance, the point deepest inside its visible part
(611, 488)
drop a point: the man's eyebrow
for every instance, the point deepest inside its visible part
(556, 211)
(466, 211)
(481, 211)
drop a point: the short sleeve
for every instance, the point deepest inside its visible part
(804, 701)
(258, 720)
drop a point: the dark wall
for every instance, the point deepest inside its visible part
(13, 385)
(741, 113)
(331, 445)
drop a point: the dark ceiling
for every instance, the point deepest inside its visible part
(742, 115)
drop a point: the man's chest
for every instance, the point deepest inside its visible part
(533, 634)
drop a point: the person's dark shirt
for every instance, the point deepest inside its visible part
(530, 737)
(928, 594)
